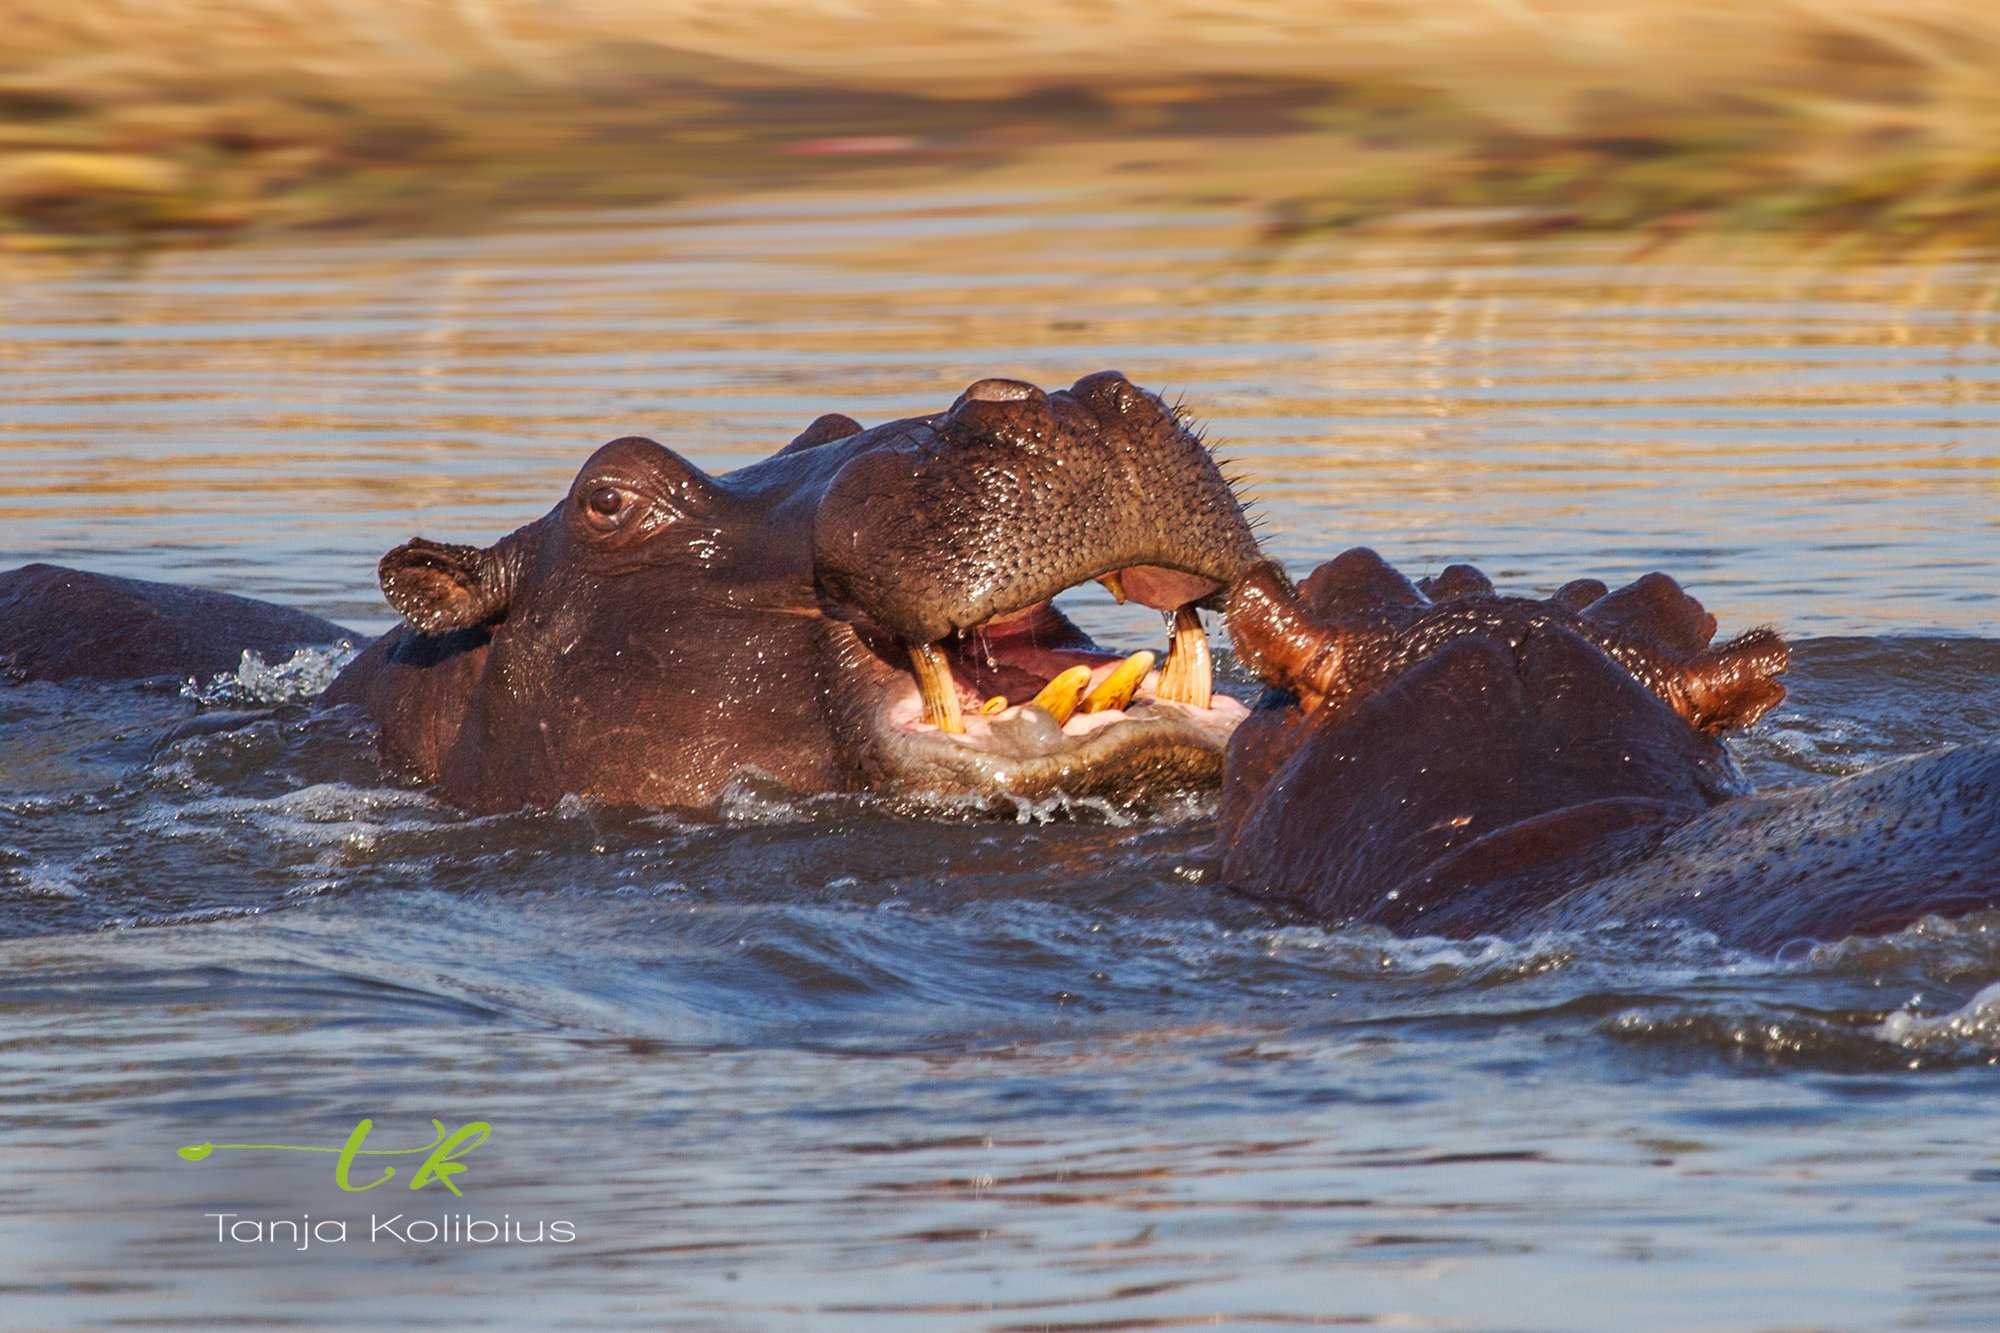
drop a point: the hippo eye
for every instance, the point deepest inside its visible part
(614, 511)
(608, 508)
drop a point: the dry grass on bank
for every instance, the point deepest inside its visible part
(185, 118)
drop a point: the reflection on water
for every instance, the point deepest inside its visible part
(813, 1065)
(1811, 446)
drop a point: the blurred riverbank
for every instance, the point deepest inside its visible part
(1853, 122)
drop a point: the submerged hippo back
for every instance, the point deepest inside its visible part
(67, 624)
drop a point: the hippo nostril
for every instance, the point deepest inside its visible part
(1002, 410)
(1108, 389)
(998, 391)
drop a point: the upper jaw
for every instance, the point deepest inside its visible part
(938, 549)
(1013, 495)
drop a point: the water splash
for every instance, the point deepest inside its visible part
(1972, 1028)
(305, 675)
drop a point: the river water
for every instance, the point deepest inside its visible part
(809, 1064)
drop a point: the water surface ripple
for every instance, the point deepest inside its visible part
(813, 1064)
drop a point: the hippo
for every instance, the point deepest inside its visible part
(864, 610)
(1436, 758)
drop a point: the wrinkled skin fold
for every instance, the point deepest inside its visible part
(1441, 759)
(865, 610)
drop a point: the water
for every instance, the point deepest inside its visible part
(813, 1065)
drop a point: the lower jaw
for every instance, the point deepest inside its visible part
(1161, 753)
(1036, 650)
(1128, 734)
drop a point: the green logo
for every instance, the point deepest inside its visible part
(438, 1168)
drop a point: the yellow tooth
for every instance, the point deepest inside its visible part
(1116, 690)
(939, 691)
(994, 706)
(1189, 676)
(1114, 583)
(1061, 695)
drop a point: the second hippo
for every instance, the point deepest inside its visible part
(1441, 759)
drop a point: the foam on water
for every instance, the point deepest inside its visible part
(1973, 1027)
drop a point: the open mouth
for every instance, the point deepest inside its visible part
(944, 546)
(1027, 681)
(1025, 702)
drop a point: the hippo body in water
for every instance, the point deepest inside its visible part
(864, 610)
(1444, 760)
(70, 624)
(868, 610)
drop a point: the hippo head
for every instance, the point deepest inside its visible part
(863, 610)
(1431, 757)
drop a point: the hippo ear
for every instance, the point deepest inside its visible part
(440, 587)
